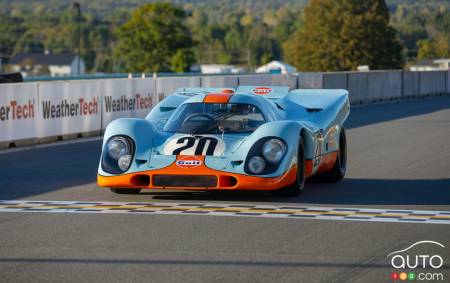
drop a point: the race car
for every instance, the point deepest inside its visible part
(249, 138)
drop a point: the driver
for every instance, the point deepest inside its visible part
(240, 109)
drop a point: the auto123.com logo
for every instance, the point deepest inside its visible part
(413, 264)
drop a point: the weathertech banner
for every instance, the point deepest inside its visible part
(127, 98)
(18, 111)
(69, 107)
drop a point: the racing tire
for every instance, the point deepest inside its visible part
(339, 169)
(125, 191)
(297, 187)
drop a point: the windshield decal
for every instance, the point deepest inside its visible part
(195, 145)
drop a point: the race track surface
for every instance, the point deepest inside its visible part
(399, 168)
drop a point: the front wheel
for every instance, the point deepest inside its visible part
(124, 191)
(297, 187)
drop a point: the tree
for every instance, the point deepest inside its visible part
(426, 49)
(155, 39)
(439, 45)
(11, 30)
(339, 35)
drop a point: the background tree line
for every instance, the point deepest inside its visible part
(338, 35)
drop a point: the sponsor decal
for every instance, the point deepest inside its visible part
(126, 103)
(188, 162)
(262, 90)
(17, 111)
(195, 145)
(82, 107)
(414, 265)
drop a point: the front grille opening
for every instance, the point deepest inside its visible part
(185, 181)
(227, 181)
(141, 180)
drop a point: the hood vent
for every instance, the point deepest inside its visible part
(313, 110)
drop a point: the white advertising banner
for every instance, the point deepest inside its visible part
(18, 111)
(127, 98)
(69, 107)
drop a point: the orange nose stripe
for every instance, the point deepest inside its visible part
(217, 98)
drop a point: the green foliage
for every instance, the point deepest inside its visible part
(426, 49)
(424, 27)
(242, 32)
(342, 34)
(182, 60)
(438, 46)
(155, 39)
(10, 28)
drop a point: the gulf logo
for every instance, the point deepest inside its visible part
(262, 90)
(188, 162)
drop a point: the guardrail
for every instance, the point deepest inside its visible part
(37, 112)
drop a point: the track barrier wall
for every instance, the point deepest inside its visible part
(127, 98)
(38, 112)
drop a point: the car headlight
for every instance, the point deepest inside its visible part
(273, 150)
(124, 162)
(117, 154)
(256, 165)
(118, 147)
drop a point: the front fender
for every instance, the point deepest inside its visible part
(141, 131)
(288, 131)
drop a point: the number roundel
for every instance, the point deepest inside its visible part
(195, 145)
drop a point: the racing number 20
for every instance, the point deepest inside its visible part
(202, 141)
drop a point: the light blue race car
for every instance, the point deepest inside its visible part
(251, 138)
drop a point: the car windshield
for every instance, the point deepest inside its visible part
(214, 118)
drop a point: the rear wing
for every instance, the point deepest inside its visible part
(273, 92)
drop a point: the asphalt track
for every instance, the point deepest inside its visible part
(399, 160)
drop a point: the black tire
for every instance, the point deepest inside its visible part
(339, 169)
(124, 191)
(297, 187)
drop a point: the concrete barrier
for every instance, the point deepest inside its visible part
(448, 81)
(410, 84)
(384, 85)
(265, 79)
(432, 82)
(269, 80)
(310, 80)
(69, 107)
(168, 85)
(335, 80)
(358, 87)
(289, 80)
(219, 81)
(18, 112)
(125, 98)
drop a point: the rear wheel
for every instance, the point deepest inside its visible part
(124, 191)
(337, 173)
(297, 187)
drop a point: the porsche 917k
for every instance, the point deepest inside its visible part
(251, 138)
